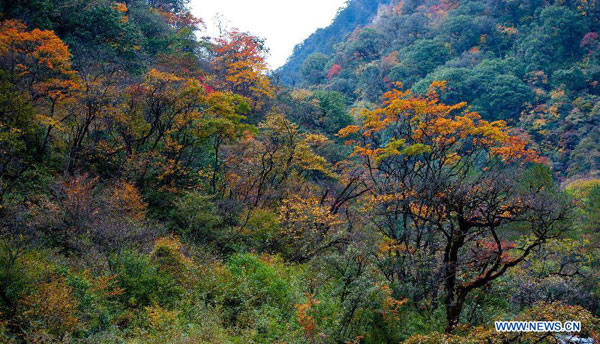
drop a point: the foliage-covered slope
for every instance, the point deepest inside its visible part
(532, 63)
(157, 188)
(354, 13)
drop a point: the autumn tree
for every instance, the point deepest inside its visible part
(281, 168)
(167, 124)
(444, 183)
(36, 78)
(89, 115)
(37, 61)
(261, 169)
(240, 61)
(83, 217)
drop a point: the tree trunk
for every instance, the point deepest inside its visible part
(454, 300)
(453, 310)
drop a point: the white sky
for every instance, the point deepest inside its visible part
(283, 23)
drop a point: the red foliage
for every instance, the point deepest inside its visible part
(240, 61)
(589, 39)
(334, 70)
(443, 6)
(208, 89)
(490, 250)
(180, 20)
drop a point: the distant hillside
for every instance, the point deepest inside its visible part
(532, 63)
(354, 13)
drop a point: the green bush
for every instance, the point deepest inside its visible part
(143, 282)
(194, 215)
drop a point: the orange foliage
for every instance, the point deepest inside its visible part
(106, 286)
(54, 307)
(391, 306)
(434, 127)
(78, 198)
(240, 57)
(398, 8)
(38, 63)
(305, 317)
(390, 60)
(122, 8)
(127, 199)
(37, 55)
(179, 20)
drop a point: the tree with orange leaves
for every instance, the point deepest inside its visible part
(37, 60)
(168, 124)
(445, 187)
(35, 79)
(240, 59)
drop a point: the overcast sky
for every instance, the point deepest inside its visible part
(283, 23)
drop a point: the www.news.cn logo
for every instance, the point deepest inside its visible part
(538, 326)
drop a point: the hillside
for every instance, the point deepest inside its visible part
(354, 14)
(432, 171)
(533, 64)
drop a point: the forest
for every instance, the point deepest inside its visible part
(416, 171)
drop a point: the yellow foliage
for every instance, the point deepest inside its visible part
(432, 127)
(156, 75)
(305, 216)
(127, 199)
(300, 94)
(53, 307)
(388, 245)
(167, 252)
(160, 319)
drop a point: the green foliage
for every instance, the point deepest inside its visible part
(254, 282)
(366, 46)
(587, 193)
(195, 215)
(156, 188)
(17, 129)
(322, 111)
(550, 41)
(256, 293)
(571, 79)
(143, 282)
(335, 114)
(313, 69)
(262, 230)
(507, 60)
(418, 60)
(591, 209)
(488, 87)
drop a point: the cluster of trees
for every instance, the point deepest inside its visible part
(323, 40)
(531, 63)
(160, 188)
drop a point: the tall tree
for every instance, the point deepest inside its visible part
(240, 60)
(444, 183)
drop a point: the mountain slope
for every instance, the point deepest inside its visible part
(531, 63)
(355, 13)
